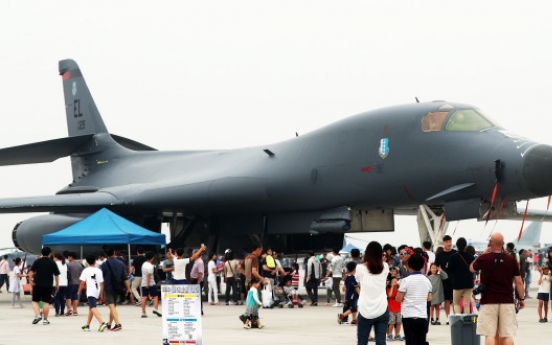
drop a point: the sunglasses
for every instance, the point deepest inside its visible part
(403, 254)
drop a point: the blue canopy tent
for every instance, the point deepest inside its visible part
(104, 227)
(347, 249)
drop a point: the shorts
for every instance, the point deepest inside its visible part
(42, 293)
(395, 318)
(151, 291)
(543, 296)
(111, 297)
(72, 292)
(92, 302)
(489, 320)
(351, 305)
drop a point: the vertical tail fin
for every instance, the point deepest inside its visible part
(530, 238)
(83, 116)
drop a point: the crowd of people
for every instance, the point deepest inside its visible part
(391, 290)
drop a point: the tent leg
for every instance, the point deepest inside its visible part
(129, 257)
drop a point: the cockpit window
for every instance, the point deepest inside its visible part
(433, 122)
(467, 120)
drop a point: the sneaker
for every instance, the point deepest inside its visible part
(21, 306)
(541, 321)
(545, 320)
(432, 322)
(138, 304)
(339, 318)
(390, 337)
(337, 304)
(86, 328)
(259, 325)
(144, 315)
(75, 313)
(102, 327)
(314, 304)
(117, 327)
(57, 315)
(448, 320)
(157, 312)
(437, 322)
(45, 322)
(109, 327)
(131, 303)
(69, 313)
(36, 320)
(398, 337)
(247, 325)
(354, 322)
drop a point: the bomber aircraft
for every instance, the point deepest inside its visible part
(302, 193)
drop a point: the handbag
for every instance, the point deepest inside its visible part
(266, 295)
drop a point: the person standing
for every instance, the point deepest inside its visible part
(371, 275)
(180, 263)
(114, 273)
(250, 267)
(431, 256)
(15, 287)
(313, 278)
(462, 277)
(4, 271)
(232, 274)
(336, 274)
(136, 270)
(167, 266)
(442, 260)
(196, 275)
(42, 275)
(497, 310)
(75, 270)
(212, 294)
(414, 293)
(59, 297)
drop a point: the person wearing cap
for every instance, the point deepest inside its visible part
(4, 270)
(15, 287)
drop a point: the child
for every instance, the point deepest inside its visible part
(395, 317)
(351, 295)
(328, 282)
(544, 293)
(414, 293)
(92, 278)
(251, 316)
(436, 277)
(15, 284)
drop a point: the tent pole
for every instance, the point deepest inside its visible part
(129, 257)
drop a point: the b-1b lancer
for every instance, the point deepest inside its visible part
(302, 193)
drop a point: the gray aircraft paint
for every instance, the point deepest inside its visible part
(380, 159)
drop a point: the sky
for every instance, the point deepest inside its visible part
(182, 75)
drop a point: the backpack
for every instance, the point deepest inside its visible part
(270, 263)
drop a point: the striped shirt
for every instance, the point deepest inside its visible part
(416, 288)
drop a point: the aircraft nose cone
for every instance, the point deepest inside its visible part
(537, 170)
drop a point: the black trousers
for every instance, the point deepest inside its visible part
(194, 281)
(415, 331)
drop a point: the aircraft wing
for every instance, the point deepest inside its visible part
(77, 202)
(42, 152)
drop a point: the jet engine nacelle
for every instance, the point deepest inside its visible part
(27, 235)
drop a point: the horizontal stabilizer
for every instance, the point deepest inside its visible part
(65, 203)
(131, 144)
(42, 152)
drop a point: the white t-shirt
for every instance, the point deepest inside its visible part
(179, 272)
(210, 267)
(62, 274)
(372, 301)
(93, 277)
(147, 268)
(15, 282)
(545, 285)
(416, 288)
(337, 266)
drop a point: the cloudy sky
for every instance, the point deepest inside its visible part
(202, 75)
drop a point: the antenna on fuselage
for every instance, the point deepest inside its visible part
(417, 100)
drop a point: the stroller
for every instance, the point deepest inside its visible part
(281, 294)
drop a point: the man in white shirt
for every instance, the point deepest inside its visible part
(430, 254)
(4, 271)
(179, 267)
(336, 273)
(312, 274)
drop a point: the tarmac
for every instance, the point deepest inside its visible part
(308, 325)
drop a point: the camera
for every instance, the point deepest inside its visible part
(479, 289)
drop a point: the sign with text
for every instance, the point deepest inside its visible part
(181, 314)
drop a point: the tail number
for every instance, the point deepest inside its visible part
(76, 108)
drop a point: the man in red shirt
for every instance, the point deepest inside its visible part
(497, 303)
